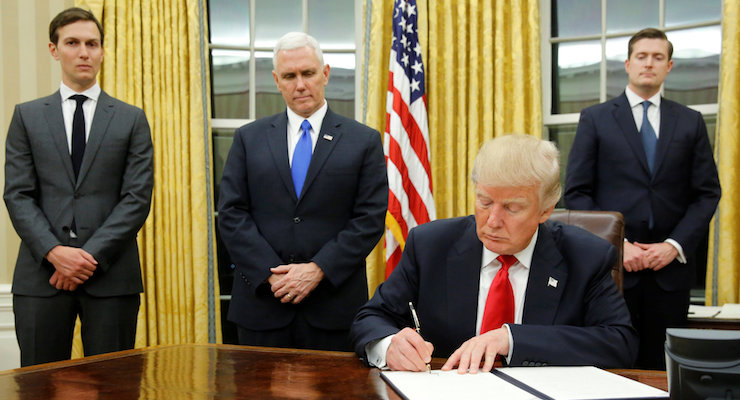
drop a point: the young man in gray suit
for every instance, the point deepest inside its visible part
(78, 186)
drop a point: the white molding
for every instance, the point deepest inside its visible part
(9, 352)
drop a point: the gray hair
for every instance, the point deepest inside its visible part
(517, 160)
(295, 40)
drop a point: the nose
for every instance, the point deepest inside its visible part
(494, 216)
(83, 51)
(300, 84)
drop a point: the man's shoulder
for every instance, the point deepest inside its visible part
(448, 227)
(106, 99)
(260, 124)
(606, 106)
(341, 122)
(41, 101)
(678, 107)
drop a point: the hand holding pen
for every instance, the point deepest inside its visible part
(417, 327)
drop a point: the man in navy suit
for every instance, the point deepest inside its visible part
(302, 203)
(650, 159)
(564, 309)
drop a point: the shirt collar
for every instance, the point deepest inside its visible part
(315, 119)
(524, 257)
(93, 92)
(634, 99)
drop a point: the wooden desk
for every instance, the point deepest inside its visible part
(214, 372)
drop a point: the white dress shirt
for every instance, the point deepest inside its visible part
(69, 106)
(518, 276)
(654, 118)
(294, 128)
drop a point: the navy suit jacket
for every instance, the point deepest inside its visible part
(336, 221)
(607, 170)
(582, 320)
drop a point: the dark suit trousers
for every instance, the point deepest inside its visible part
(298, 334)
(653, 310)
(45, 325)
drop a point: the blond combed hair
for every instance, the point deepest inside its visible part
(517, 160)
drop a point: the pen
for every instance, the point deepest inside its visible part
(417, 327)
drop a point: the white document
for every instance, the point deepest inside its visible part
(696, 311)
(446, 385)
(729, 311)
(582, 383)
(558, 383)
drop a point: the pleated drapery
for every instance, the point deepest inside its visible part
(156, 58)
(723, 269)
(482, 61)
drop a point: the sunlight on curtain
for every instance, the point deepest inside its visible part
(723, 270)
(155, 58)
(482, 61)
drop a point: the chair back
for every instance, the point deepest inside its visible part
(608, 225)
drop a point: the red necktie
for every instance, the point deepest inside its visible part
(500, 301)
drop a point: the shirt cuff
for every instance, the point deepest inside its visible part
(375, 351)
(511, 345)
(681, 257)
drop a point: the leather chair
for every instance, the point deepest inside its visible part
(608, 225)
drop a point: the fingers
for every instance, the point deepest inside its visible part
(483, 348)
(408, 351)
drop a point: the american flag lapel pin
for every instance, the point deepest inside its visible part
(328, 137)
(552, 282)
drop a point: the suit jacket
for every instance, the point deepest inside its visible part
(607, 170)
(582, 320)
(336, 221)
(109, 201)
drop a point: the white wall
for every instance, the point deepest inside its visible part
(9, 353)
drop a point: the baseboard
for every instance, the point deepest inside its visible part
(9, 353)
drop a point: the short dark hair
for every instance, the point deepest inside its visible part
(649, 33)
(69, 16)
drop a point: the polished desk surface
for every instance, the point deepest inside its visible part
(206, 371)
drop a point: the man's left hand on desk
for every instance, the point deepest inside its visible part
(483, 348)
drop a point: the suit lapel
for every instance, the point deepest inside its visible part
(547, 280)
(277, 141)
(328, 137)
(463, 275)
(55, 122)
(103, 113)
(668, 120)
(626, 121)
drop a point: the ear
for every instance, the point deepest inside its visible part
(53, 51)
(627, 66)
(546, 213)
(670, 65)
(326, 71)
(275, 77)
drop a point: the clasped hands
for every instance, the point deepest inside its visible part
(409, 352)
(640, 256)
(72, 267)
(291, 283)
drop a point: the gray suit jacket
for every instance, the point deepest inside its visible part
(109, 201)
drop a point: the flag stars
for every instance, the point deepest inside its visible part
(404, 41)
(405, 60)
(402, 23)
(410, 10)
(417, 67)
(410, 28)
(414, 85)
(417, 48)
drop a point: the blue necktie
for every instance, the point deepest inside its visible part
(301, 158)
(649, 140)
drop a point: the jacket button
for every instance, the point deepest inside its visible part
(291, 258)
(297, 220)
(525, 363)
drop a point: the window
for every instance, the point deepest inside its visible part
(584, 46)
(242, 36)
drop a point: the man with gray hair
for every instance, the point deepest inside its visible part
(504, 281)
(302, 203)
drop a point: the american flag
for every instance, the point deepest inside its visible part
(406, 141)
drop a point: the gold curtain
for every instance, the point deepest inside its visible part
(482, 64)
(156, 58)
(723, 269)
